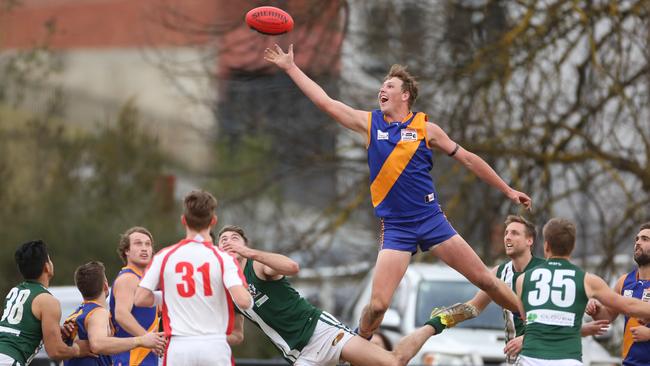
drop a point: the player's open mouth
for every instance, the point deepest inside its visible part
(383, 99)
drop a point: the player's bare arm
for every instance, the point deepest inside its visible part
(241, 296)
(47, 309)
(267, 266)
(437, 138)
(101, 341)
(597, 288)
(236, 337)
(347, 116)
(124, 292)
(144, 297)
(600, 312)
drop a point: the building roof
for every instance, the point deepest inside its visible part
(75, 24)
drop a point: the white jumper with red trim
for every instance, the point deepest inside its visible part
(194, 277)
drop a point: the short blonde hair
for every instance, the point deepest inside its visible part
(409, 84)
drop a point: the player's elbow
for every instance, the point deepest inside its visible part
(244, 301)
(468, 159)
(235, 339)
(57, 353)
(294, 268)
(143, 298)
(96, 346)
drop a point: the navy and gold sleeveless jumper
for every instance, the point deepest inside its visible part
(147, 317)
(402, 189)
(79, 317)
(635, 353)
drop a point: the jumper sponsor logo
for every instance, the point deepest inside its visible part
(381, 135)
(628, 293)
(259, 302)
(646, 295)
(429, 198)
(551, 317)
(409, 134)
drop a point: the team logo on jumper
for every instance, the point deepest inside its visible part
(381, 135)
(252, 290)
(628, 293)
(338, 338)
(258, 297)
(409, 134)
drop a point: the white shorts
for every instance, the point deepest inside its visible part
(8, 361)
(530, 361)
(325, 345)
(198, 351)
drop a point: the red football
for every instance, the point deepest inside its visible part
(269, 20)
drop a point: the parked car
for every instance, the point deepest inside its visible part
(70, 298)
(479, 341)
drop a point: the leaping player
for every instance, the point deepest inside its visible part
(399, 143)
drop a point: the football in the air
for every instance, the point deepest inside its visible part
(269, 20)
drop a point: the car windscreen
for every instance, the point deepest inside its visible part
(444, 293)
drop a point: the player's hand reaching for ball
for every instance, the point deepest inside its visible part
(277, 56)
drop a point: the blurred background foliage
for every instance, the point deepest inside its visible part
(76, 190)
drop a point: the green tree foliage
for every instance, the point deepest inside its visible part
(78, 191)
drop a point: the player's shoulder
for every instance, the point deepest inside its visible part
(126, 278)
(537, 260)
(620, 282)
(166, 250)
(45, 300)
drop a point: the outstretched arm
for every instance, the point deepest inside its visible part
(272, 265)
(600, 312)
(437, 138)
(347, 116)
(598, 289)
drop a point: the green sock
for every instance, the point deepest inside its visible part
(436, 324)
